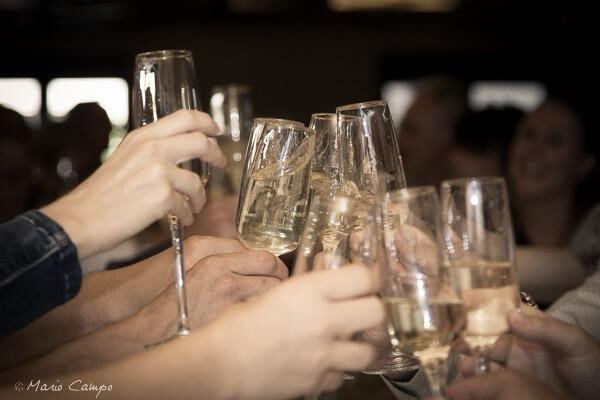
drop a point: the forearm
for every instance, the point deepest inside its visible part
(108, 344)
(186, 368)
(105, 298)
(547, 273)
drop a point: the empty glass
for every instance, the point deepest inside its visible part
(375, 143)
(164, 82)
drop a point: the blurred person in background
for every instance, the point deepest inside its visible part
(553, 179)
(40, 250)
(72, 149)
(17, 164)
(482, 140)
(428, 130)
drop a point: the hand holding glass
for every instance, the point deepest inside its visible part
(479, 253)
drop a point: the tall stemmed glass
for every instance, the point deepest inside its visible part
(338, 230)
(325, 173)
(424, 313)
(164, 82)
(376, 155)
(372, 168)
(273, 196)
(479, 253)
(332, 170)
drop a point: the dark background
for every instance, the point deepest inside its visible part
(299, 56)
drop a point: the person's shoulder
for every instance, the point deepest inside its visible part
(586, 241)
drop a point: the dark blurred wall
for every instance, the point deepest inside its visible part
(304, 60)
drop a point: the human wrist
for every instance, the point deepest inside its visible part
(64, 212)
(221, 351)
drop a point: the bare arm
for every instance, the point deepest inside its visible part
(546, 272)
(281, 345)
(105, 298)
(214, 283)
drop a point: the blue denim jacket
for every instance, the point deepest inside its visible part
(39, 269)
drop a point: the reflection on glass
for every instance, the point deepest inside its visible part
(273, 198)
(479, 254)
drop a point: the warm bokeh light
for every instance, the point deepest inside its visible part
(62, 94)
(24, 95)
(399, 95)
(523, 95)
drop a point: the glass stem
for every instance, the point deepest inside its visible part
(437, 373)
(183, 327)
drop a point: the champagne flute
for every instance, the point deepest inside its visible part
(372, 167)
(479, 253)
(231, 108)
(164, 82)
(424, 314)
(326, 168)
(338, 230)
(375, 145)
(273, 197)
(332, 171)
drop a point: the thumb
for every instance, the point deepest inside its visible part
(554, 334)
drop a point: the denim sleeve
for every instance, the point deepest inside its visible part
(39, 269)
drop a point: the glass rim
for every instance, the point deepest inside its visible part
(413, 191)
(324, 116)
(294, 128)
(281, 121)
(363, 104)
(458, 182)
(164, 54)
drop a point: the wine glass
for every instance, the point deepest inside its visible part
(324, 176)
(164, 82)
(273, 196)
(424, 313)
(372, 167)
(231, 108)
(374, 145)
(332, 169)
(479, 253)
(339, 230)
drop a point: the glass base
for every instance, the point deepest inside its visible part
(391, 363)
(181, 333)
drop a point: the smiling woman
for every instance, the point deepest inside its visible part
(552, 171)
(550, 161)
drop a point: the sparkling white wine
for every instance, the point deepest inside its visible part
(489, 291)
(425, 329)
(274, 209)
